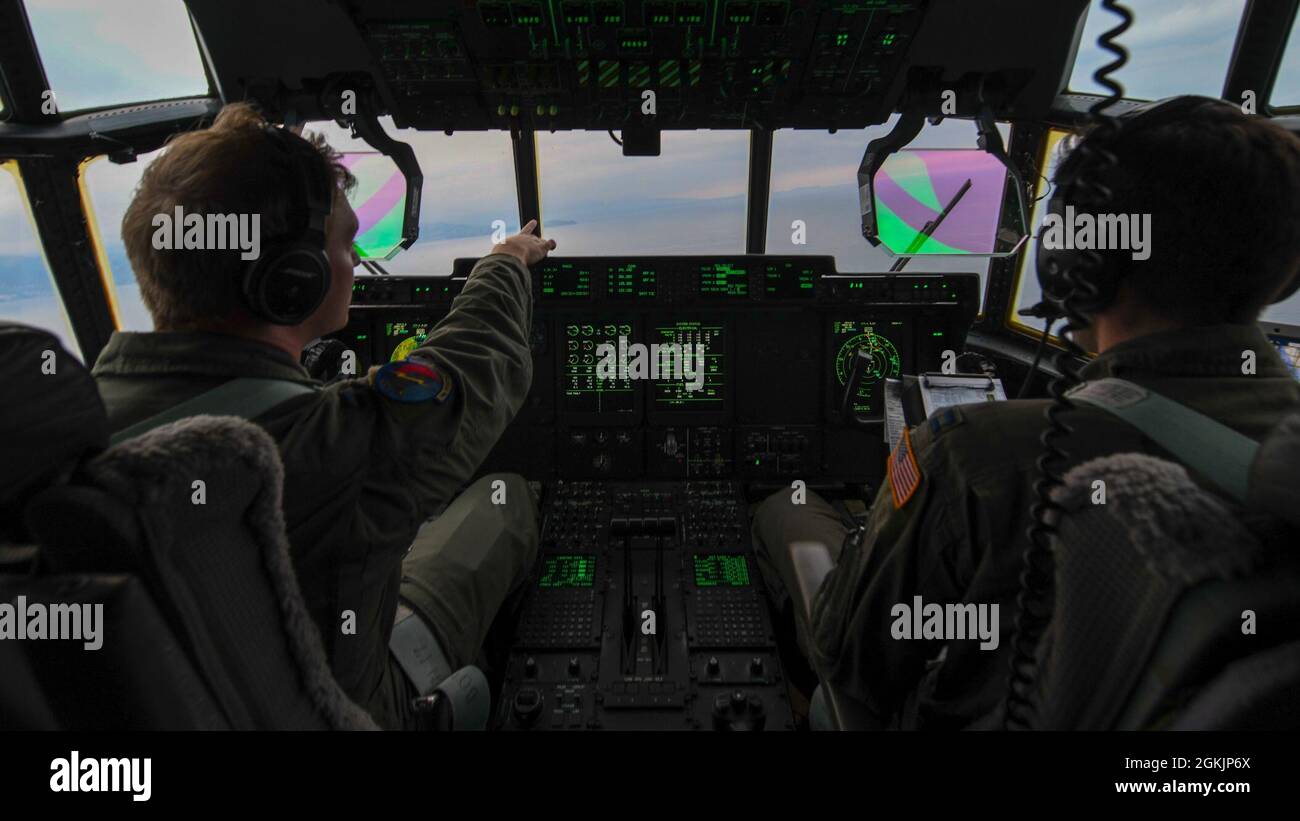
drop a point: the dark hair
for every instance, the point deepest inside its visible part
(229, 168)
(1223, 191)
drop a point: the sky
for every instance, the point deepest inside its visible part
(691, 199)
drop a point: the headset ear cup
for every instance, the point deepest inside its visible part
(287, 283)
(1053, 263)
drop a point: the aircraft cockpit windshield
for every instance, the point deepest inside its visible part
(651, 364)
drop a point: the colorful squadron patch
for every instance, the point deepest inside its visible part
(409, 381)
(904, 474)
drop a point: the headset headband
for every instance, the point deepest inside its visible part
(314, 200)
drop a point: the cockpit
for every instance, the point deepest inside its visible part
(789, 234)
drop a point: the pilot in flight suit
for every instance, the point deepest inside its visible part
(363, 471)
(950, 522)
(958, 536)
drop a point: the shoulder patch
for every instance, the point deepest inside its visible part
(904, 473)
(944, 419)
(408, 381)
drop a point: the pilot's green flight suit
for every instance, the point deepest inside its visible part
(362, 472)
(961, 534)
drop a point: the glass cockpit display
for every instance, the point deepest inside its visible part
(886, 343)
(567, 570)
(692, 374)
(587, 387)
(404, 336)
(721, 570)
(565, 279)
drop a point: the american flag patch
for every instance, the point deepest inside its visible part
(904, 475)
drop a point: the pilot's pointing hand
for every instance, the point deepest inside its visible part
(527, 246)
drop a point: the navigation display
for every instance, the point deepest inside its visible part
(886, 340)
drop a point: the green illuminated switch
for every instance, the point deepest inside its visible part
(577, 13)
(658, 14)
(527, 14)
(609, 14)
(740, 13)
(690, 13)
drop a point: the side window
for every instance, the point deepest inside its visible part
(1175, 47)
(1286, 312)
(27, 292)
(106, 190)
(1027, 291)
(1286, 88)
(97, 54)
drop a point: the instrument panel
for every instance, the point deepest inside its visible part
(692, 367)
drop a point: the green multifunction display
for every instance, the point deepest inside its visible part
(721, 570)
(632, 280)
(881, 340)
(692, 356)
(586, 388)
(401, 338)
(789, 279)
(567, 570)
(565, 279)
(724, 279)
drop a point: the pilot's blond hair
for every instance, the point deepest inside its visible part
(230, 168)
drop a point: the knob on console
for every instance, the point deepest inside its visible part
(739, 711)
(526, 706)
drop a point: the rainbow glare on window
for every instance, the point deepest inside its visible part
(378, 200)
(914, 186)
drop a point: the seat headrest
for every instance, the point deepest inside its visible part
(52, 414)
(1274, 478)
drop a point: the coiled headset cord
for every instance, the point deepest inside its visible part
(1034, 602)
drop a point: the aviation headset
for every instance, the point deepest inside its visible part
(1054, 263)
(290, 278)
